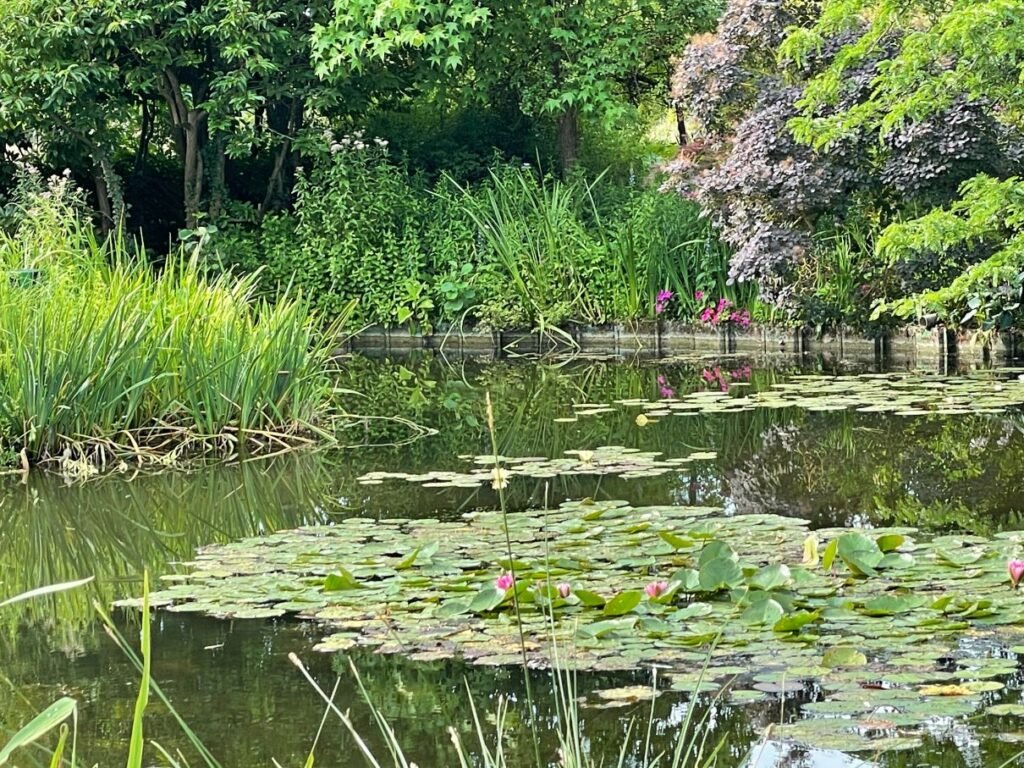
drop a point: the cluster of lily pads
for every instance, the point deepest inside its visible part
(884, 631)
(497, 470)
(901, 394)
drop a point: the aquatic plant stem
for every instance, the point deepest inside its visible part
(515, 583)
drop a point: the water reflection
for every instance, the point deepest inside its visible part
(834, 468)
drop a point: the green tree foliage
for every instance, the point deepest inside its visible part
(212, 79)
(565, 59)
(946, 55)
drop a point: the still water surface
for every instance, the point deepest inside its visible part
(231, 680)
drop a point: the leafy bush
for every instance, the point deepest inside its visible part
(795, 150)
(513, 250)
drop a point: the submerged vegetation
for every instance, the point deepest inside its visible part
(105, 360)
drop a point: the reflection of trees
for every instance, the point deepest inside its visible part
(933, 472)
(113, 529)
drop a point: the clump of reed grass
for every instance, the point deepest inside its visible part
(103, 358)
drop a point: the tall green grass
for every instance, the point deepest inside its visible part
(103, 357)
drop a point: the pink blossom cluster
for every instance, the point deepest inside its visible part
(724, 311)
(661, 301)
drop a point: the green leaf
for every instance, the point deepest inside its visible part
(422, 553)
(890, 541)
(843, 656)
(623, 603)
(762, 612)
(487, 599)
(47, 590)
(588, 598)
(39, 726)
(717, 550)
(829, 555)
(602, 628)
(796, 621)
(677, 542)
(718, 574)
(452, 608)
(771, 577)
(336, 582)
(889, 605)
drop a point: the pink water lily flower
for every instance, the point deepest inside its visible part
(1016, 568)
(656, 589)
(505, 581)
(564, 589)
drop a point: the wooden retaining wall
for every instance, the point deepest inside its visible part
(914, 346)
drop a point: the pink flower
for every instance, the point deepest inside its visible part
(667, 392)
(709, 375)
(656, 589)
(564, 589)
(661, 380)
(1016, 568)
(664, 296)
(698, 295)
(505, 581)
(708, 315)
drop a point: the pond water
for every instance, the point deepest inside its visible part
(950, 468)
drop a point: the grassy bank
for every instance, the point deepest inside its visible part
(103, 358)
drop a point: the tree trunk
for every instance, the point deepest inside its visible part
(682, 138)
(188, 130)
(568, 140)
(146, 128)
(103, 205)
(109, 192)
(218, 180)
(276, 197)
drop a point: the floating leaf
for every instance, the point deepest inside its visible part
(844, 656)
(623, 603)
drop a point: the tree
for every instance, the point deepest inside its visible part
(951, 56)
(563, 58)
(229, 78)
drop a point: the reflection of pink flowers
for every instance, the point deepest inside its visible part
(656, 589)
(664, 388)
(505, 581)
(715, 376)
(743, 373)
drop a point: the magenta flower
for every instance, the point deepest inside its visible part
(505, 581)
(1016, 568)
(661, 380)
(664, 296)
(709, 375)
(564, 589)
(667, 392)
(656, 589)
(698, 295)
(708, 315)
